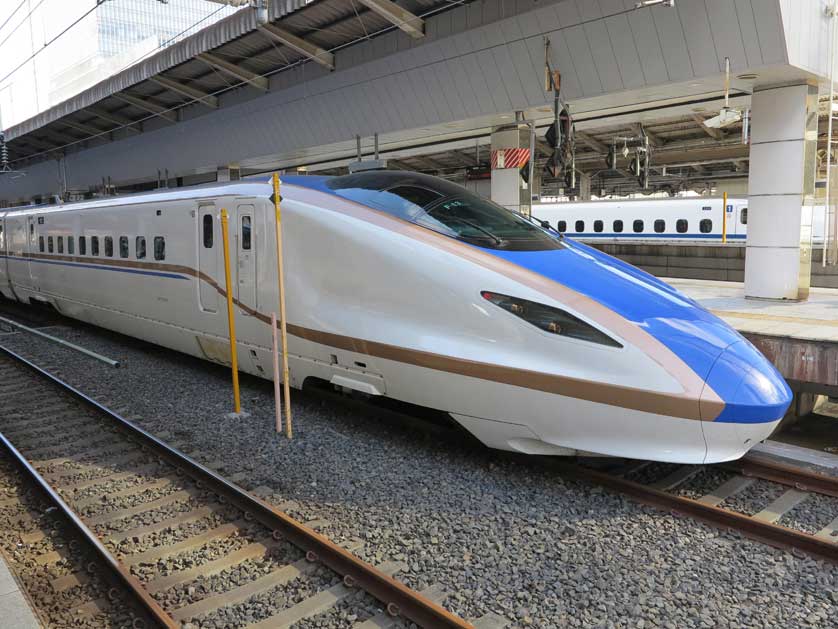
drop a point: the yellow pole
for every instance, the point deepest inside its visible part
(231, 322)
(286, 379)
(724, 218)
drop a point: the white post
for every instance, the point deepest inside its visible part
(275, 357)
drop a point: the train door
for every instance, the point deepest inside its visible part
(742, 219)
(33, 249)
(209, 245)
(246, 257)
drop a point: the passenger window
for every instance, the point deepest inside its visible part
(50, 245)
(660, 226)
(71, 245)
(580, 226)
(109, 246)
(562, 228)
(61, 244)
(246, 233)
(139, 244)
(123, 246)
(743, 216)
(159, 248)
(41, 243)
(637, 226)
(598, 227)
(82, 245)
(681, 225)
(94, 245)
(208, 231)
(705, 226)
(618, 226)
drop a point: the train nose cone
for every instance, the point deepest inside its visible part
(755, 398)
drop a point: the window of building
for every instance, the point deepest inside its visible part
(159, 248)
(208, 231)
(82, 245)
(660, 226)
(682, 225)
(61, 244)
(580, 226)
(41, 243)
(139, 244)
(71, 245)
(50, 244)
(743, 216)
(598, 226)
(246, 229)
(618, 226)
(123, 246)
(94, 245)
(637, 226)
(562, 226)
(705, 226)
(109, 246)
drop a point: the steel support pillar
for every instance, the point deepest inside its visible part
(510, 159)
(780, 190)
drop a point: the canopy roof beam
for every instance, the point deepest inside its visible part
(411, 24)
(286, 38)
(146, 104)
(116, 119)
(214, 61)
(186, 90)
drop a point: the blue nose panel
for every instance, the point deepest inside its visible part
(752, 389)
(696, 336)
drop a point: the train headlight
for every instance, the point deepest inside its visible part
(549, 319)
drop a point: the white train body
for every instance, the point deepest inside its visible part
(388, 307)
(687, 220)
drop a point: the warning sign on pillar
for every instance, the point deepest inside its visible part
(509, 158)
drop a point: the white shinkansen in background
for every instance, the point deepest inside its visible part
(689, 220)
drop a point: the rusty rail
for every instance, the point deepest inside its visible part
(398, 599)
(804, 480)
(765, 532)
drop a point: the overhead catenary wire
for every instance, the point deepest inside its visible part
(12, 14)
(191, 100)
(267, 74)
(21, 23)
(51, 41)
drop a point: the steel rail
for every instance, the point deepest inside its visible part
(119, 570)
(765, 532)
(398, 599)
(802, 479)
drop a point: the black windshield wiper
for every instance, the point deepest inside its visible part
(498, 241)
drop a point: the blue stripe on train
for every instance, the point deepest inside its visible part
(97, 267)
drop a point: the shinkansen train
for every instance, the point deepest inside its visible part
(689, 220)
(410, 287)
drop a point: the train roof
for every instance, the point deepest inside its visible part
(246, 187)
(645, 201)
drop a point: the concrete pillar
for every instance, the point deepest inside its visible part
(228, 173)
(584, 186)
(510, 153)
(780, 188)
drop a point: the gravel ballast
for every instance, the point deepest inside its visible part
(501, 534)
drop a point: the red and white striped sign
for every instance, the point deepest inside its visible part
(510, 158)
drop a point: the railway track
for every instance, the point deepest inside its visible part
(717, 495)
(186, 544)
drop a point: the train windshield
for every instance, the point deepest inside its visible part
(444, 207)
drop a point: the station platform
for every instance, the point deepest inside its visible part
(15, 610)
(800, 338)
